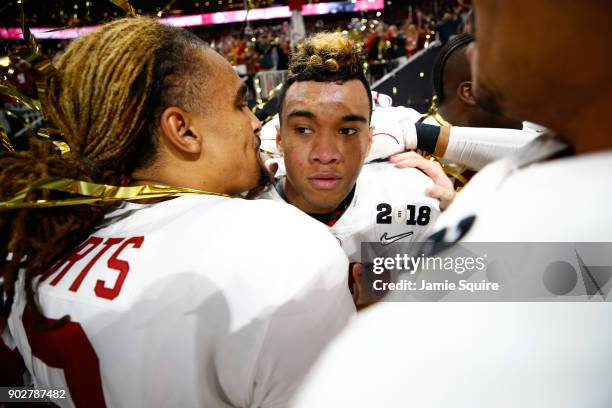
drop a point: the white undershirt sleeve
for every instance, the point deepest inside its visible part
(477, 147)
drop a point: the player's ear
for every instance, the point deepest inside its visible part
(279, 144)
(464, 91)
(179, 130)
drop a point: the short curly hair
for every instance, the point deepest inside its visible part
(326, 57)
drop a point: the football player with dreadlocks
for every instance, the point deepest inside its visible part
(160, 302)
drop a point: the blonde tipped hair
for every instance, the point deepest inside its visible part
(92, 103)
(326, 57)
(327, 53)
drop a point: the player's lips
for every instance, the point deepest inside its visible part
(325, 181)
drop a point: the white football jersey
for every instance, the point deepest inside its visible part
(467, 355)
(564, 200)
(389, 205)
(179, 304)
(555, 354)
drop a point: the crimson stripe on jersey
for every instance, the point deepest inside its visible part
(68, 348)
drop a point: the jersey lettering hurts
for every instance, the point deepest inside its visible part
(178, 304)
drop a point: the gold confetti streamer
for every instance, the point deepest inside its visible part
(125, 6)
(5, 142)
(166, 8)
(92, 193)
(453, 170)
(18, 97)
(41, 65)
(42, 68)
(25, 31)
(54, 136)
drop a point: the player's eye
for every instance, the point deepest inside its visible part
(348, 131)
(304, 130)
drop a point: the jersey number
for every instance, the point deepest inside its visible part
(68, 348)
(416, 215)
(422, 218)
(384, 213)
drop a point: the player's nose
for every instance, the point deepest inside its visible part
(325, 151)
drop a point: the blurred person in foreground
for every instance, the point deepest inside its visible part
(557, 189)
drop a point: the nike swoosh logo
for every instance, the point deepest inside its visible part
(385, 240)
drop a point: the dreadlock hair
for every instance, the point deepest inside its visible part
(325, 57)
(107, 98)
(456, 43)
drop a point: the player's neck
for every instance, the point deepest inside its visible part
(173, 178)
(294, 198)
(453, 115)
(588, 129)
(331, 218)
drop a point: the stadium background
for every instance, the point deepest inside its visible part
(400, 40)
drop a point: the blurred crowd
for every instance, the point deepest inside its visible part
(388, 39)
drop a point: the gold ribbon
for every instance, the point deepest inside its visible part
(451, 169)
(268, 152)
(456, 173)
(19, 97)
(5, 142)
(25, 31)
(438, 118)
(433, 113)
(274, 90)
(262, 104)
(165, 8)
(125, 6)
(93, 193)
(55, 137)
(42, 68)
